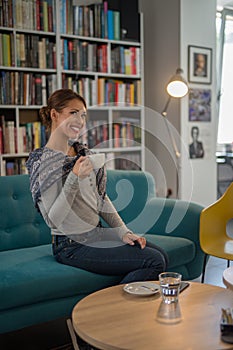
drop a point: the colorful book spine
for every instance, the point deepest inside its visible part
(110, 25)
(127, 54)
(116, 25)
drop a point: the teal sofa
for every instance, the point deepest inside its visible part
(34, 288)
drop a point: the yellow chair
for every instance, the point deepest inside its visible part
(216, 229)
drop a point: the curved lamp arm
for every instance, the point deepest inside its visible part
(177, 87)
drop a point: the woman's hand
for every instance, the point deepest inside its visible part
(132, 239)
(83, 167)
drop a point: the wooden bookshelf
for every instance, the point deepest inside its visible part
(53, 44)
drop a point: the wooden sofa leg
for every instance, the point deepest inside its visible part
(204, 267)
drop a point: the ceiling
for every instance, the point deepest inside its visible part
(225, 3)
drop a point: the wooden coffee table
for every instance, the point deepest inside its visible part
(113, 319)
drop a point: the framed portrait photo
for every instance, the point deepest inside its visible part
(199, 64)
(199, 105)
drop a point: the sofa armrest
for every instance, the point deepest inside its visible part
(169, 217)
(175, 217)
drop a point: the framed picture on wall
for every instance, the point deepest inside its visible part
(199, 64)
(199, 105)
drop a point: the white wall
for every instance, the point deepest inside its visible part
(198, 29)
(169, 27)
(161, 58)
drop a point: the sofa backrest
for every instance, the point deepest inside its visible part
(130, 191)
(21, 225)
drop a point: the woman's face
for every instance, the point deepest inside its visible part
(70, 120)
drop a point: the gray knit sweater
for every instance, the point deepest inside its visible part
(75, 207)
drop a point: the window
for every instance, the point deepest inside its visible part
(225, 76)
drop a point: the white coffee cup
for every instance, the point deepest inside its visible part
(97, 160)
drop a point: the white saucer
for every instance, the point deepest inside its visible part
(141, 288)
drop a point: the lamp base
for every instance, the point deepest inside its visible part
(169, 193)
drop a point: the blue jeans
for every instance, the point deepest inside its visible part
(110, 258)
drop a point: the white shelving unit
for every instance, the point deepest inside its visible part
(100, 112)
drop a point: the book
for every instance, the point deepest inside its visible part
(110, 22)
(9, 141)
(6, 49)
(19, 14)
(133, 62)
(76, 20)
(42, 53)
(1, 51)
(65, 54)
(3, 133)
(29, 137)
(1, 141)
(116, 25)
(43, 89)
(38, 89)
(36, 134)
(138, 62)
(43, 136)
(86, 25)
(91, 21)
(3, 128)
(101, 83)
(45, 16)
(10, 168)
(26, 89)
(116, 135)
(123, 135)
(105, 14)
(127, 54)
(22, 139)
(51, 17)
(3, 167)
(21, 166)
(80, 21)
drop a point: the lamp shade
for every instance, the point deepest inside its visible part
(177, 86)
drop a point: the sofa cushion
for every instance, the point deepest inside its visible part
(32, 275)
(180, 250)
(24, 272)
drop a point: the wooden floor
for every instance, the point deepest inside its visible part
(47, 336)
(214, 271)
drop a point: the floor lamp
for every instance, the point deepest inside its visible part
(177, 87)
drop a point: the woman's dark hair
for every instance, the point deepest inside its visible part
(58, 100)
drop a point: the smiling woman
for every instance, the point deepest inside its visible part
(70, 193)
(64, 116)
